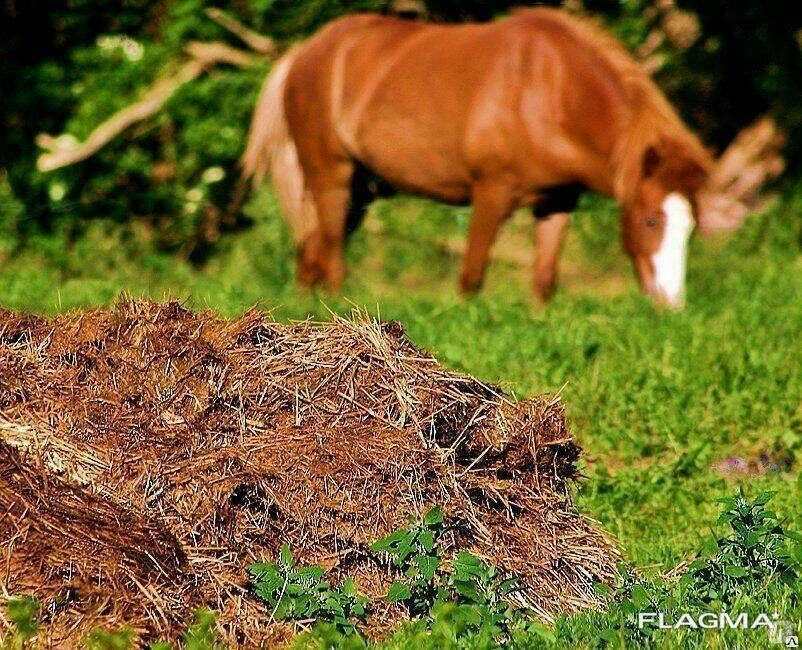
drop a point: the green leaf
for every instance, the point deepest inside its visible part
(426, 540)
(763, 498)
(752, 539)
(509, 586)
(349, 587)
(261, 569)
(709, 548)
(735, 571)
(22, 612)
(403, 551)
(427, 565)
(312, 572)
(434, 516)
(285, 555)
(391, 541)
(398, 591)
(611, 637)
(542, 631)
(640, 597)
(468, 563)
(467, 590)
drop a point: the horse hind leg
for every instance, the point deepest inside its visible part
(321, 257)
(364, 189)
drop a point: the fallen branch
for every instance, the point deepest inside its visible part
(749, 163)
(257, 42)
(66, 150)
(759, 141)
(214, 53)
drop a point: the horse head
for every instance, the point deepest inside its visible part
(660, 215)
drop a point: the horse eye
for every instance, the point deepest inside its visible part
(652, 222)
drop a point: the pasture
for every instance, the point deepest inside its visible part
(673, 410)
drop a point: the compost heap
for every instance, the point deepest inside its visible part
(149, 454)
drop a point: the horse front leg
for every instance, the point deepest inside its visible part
(492, 203)
(549, 235)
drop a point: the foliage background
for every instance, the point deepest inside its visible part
(65, 65)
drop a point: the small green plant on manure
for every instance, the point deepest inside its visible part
(294, 593)
(468, 597)
(21, 612)
(200, 635)
(121, 639)
(416, 551)
(486, 591)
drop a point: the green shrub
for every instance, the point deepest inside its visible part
(757, 554)
(295, 593)
(755, 565)
(416, 552)
(103, 640)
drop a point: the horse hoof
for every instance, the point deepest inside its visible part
(544, 292)
(309, 276)
(469, 286)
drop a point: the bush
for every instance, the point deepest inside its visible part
(756, 565)
(300, 594)
(172, 174)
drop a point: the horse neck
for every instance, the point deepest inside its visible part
(654, 122)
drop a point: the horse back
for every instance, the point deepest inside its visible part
(431, 108)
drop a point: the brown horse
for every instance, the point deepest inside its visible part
(526, 111)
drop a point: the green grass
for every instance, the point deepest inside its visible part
(656, 399)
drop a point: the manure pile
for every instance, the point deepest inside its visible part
(148, 454)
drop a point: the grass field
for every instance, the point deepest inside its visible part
(658, 401)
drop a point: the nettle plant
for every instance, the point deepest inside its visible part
(470, 594)
(473, 594)
(758, 552)
(417, 552)
(21, 613)
(484, 592)
(299, 593)
(750, 564)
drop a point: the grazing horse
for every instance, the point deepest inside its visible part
(526, 111)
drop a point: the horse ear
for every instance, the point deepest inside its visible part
(651, 161)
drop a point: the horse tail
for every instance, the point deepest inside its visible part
(271, 152)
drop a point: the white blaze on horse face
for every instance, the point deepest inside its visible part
(670, 259)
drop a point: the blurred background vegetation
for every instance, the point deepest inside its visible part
(165, 185)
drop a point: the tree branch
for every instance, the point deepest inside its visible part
(66, 150)
(257, 42)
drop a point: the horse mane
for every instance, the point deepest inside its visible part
(653, 117)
